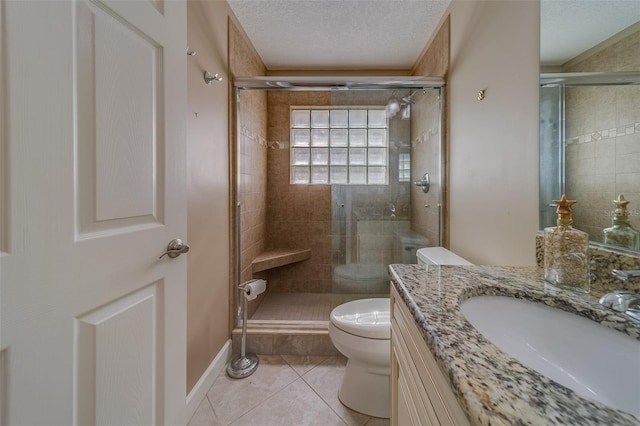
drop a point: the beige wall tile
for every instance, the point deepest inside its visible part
(609, 164)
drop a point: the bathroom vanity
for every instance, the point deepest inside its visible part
(444, 371)
(420, 393)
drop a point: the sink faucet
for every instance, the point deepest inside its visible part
(626, 302)
(625, 275)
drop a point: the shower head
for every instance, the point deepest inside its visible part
(403, 106)
(393, 106)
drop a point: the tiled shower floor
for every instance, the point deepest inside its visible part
(301, 306)
(294, 307)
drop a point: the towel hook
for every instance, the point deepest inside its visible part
(208, 78)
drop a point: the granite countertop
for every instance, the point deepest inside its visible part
(493, 387)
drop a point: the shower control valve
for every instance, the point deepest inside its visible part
(424, 183)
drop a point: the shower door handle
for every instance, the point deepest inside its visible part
(425, 183)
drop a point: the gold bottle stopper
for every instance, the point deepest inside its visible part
(620, 214)
(564, 210)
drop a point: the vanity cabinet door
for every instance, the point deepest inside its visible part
(421, 395)
(414, 405)
(404, 411)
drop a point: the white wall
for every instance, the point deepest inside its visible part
(494, 143)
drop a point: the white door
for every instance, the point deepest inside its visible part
(93, 132)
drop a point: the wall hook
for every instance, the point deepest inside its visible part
(191, 52)
(208, 78)
(481, 94)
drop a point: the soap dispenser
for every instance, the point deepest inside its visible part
(622, 234)
(566, 251)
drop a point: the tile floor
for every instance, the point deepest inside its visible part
(286, 390)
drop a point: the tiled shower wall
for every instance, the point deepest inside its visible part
(434, 63)
(253, 178)
(298, 216)
(251, 156)
(366, 228)
(323, 217)
(425, 158)
(603, 140)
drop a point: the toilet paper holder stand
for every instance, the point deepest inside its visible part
(244, 364)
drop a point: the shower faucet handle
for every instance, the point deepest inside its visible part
(425, 183)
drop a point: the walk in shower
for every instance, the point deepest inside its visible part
(336, 179)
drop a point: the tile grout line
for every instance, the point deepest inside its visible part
(323, 400)
(270, 396)
(211, 405)
(298, 375)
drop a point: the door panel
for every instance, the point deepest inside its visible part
(120, 144)
(126, 329)
(93, 323)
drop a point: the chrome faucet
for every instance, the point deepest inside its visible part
(626, 302)
(625, 275)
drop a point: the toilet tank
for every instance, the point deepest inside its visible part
(439, 256)
(407, 245)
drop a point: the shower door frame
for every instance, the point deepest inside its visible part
(322, 83)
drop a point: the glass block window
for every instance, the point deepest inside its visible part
(342, 146)
(404, 167)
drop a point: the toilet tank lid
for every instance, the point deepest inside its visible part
(440, 256)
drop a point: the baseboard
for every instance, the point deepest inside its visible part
(199, 391)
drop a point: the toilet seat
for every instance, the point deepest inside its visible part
(369, 318)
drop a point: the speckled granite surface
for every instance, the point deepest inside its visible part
(493, 387)
(601, 261)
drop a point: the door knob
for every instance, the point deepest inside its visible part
(175, 248)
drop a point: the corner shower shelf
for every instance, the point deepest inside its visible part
(274, 258)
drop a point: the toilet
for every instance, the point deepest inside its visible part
(439, 256)
(361, 331)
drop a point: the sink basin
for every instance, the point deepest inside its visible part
(596, 362)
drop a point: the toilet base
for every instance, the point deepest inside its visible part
(365, 389)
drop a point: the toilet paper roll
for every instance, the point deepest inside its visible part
(253, 288)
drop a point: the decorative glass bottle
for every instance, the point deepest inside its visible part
(622, 234)
(566, 251)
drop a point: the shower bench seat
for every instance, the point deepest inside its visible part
(274, 258)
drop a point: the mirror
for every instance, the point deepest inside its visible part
(590, 112)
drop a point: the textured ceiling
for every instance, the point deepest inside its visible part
(391, 34)
(339, 34)
(569, 27)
